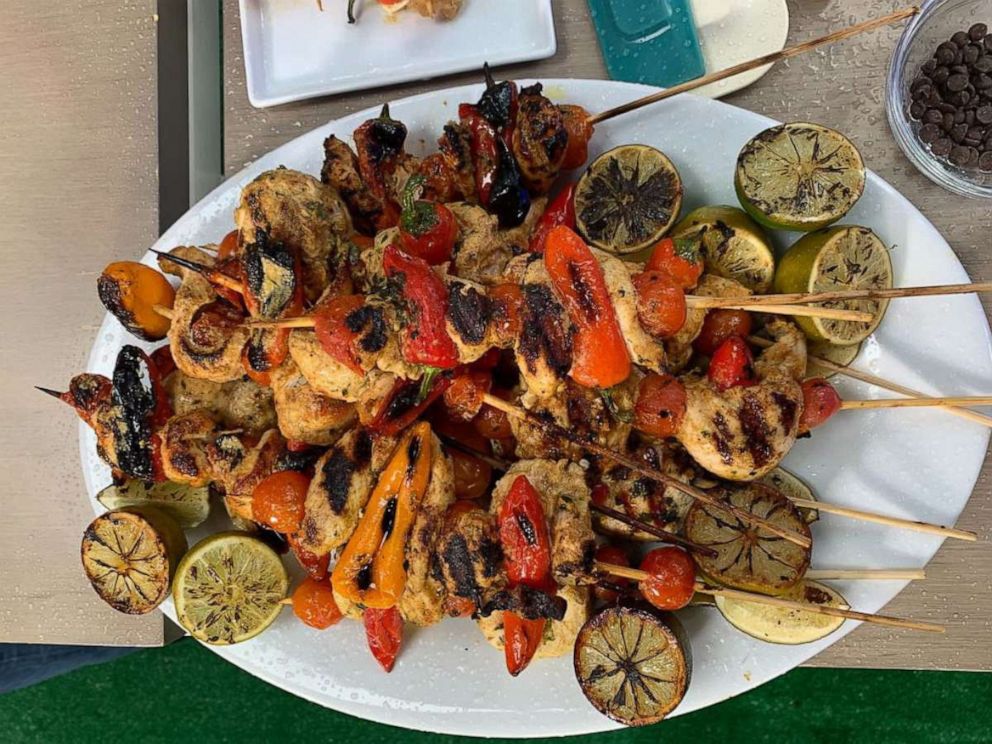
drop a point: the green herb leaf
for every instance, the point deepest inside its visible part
(611, 405)
(427, 382)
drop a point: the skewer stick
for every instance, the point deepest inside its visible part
(906, 524)
(833, 313)
(960, 400)
(870, 574)
(701, 588)
(207, 272)
(767, 59)
(49, 391)
(303, 321)
(662, 535)
(844, 294)
(881, 382)
(165, 312)
(629, 462)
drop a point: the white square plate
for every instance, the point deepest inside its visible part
(294, 51)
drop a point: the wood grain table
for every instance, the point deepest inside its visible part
(841, 87)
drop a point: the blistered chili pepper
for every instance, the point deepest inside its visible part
(509, 199)
(498, 104)
(485, 157)
(379, 144)
(425, 337)
(599, 358)
(561, 211)
(405, 402)
(384, 634)
(371, 571)
(141, 407)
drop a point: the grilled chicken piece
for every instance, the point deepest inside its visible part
(679, 346)
(559, 635)
(340, 171)
(207, 332)
(455, 146)
(422, 601)
(185, 442)
(743, 433)
(539, 139)
(471, 320)
(343, 479)
(482, 250)
(331, 378)
(439, 10)
(469, 559)
(645, 499)
(90, 395)
(306, 216)
(304, 414)
(241, 404)
(565, 499)
(239, 465)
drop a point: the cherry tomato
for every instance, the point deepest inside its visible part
(471, 475)
(427, 229)
(384, 634)
(463, 398)
(576, 121)
(660, 303)
(313, 603)
(820, 402)
(673, 578)
(680, 259)
(163, 361)
(720, 325)
(616, 556)
(732, 365)
(493, 424)
(278, 500)
(660, 406)
(228, 246)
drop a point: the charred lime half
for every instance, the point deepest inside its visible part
(632, 665)
(628, 198)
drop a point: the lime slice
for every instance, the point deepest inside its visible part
(750, 558)
(129, 556)
(799, 176)
(838, 258)
(792, 487)
(628, 198)
(840, 355)
(228, 588)
(781, 625)
(189, 506)
(633, 665)
(732, 244)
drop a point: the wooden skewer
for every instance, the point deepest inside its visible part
(881, 382)
(207, 271)
(960, 400)
(165, 312)
(767, 59)
(701, 588)
(667, 480)
(869, 574)
(303, 321)
(811, 311)
(906, 524)
(844, 294)
(662, 535)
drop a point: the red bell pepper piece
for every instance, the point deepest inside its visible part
(600, 358)
(315, 565)
(732, 365)
(379, 143)
(384, 634)
(561, 211)
(521, 637)
(425, 337)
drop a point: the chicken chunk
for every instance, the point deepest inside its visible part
(482, 250)
(559, 636)
(544, 346)
(333, 379)
(185, 442)
(539, 139)
(304, 414)
(240, 404)
(469, 558)
(240, 465)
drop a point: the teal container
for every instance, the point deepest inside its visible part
(648, 41)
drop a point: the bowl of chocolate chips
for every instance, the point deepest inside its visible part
(939, 94)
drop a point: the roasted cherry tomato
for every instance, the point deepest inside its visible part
(464, 395)
(313, 603)
(163, 361)
(131, 291)
(660, 303)
(427, 229)
(673, 578)
(471, 475)
(820, 402)
(523, 533)
(719, 325)
(384, 634)
(277, 501)
(678, 258)
(228, 246)
(561, 211)
(732, 365)
(493, 423)
(660, 406)
(618, 557)
(521, 638)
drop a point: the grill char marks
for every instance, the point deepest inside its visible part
(370, 322)
(337, 470)
(469, 311)
(756, 430)
(544, 331)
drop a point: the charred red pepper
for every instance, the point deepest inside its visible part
(404, 404)
(732, 365)
(384, 634)
(427, 229)
(425, 336)
(526, 543)
(333, 332)
(315, 565)
(379, 143)
(485, 157)
(600, 358)
(561, 211)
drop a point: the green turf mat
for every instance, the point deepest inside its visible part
(184, 693)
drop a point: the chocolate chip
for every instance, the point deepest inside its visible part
(969, 117)
(930, 132)
(929, 66)
(947, 123)
(947, 108)
(982, 81)
(942, 147)
(958, 57)
(987, 41)
(971, 54)
(940, 75)
(945, 52)
(983, 64)
(931, 116)
(958, 131)
(976, 133)
(983, 114)
(961, 155)
(985, 161)
(960, 38)
(959, 117)
(956, 82)
(977, 31)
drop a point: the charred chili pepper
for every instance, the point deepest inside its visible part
(498, 104)
(526, 542)
(427, 229)
(404, 404)
(425, 336)
(384, 634)
(561, 211)
(600, 358)
(333, 331)
(371, 571)
(379, 143)
(87, 393)
(140, 407)
(315, 565)
(509, 199)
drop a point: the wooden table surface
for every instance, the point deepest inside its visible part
(841, 87)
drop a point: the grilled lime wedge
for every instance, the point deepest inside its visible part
(799, 176)
(787, 626)
(188, 505)
(792, 487)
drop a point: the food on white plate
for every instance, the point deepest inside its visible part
(438, 10)
(787, 626)
(187, 505)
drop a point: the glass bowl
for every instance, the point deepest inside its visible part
(936, 22)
